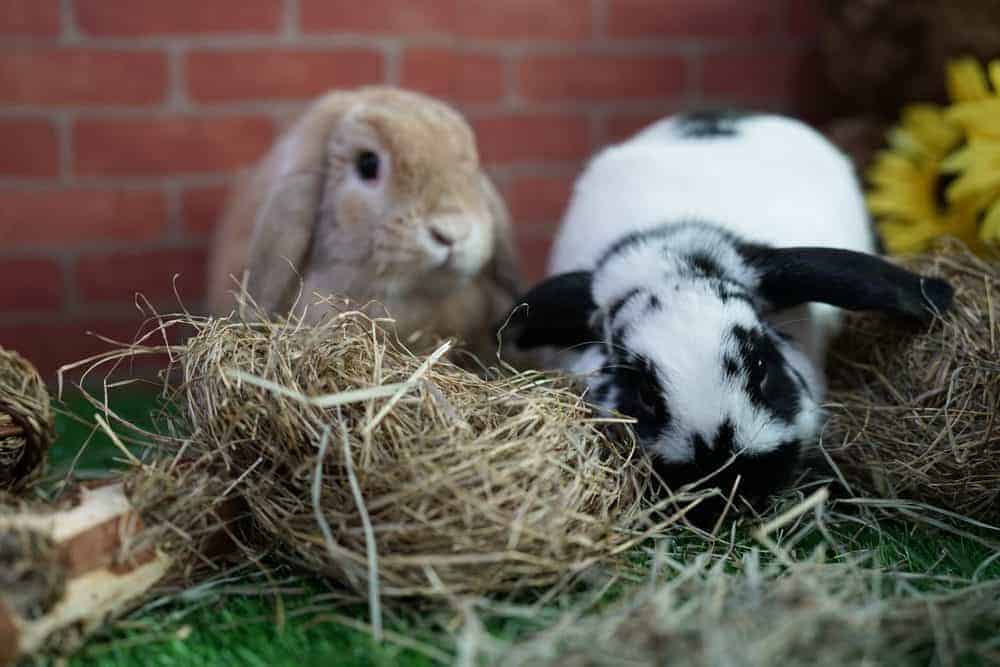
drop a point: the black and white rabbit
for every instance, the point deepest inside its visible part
(696, 281)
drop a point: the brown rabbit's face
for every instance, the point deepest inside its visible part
(404, 198)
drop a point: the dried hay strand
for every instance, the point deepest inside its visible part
(813, 614)
(68, 567)
(27, 425)
(915, 414)
(398, 474)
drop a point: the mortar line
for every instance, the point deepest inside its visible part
(599, 13)
(63, 122)
(392, 59)
(68, 31)
(172, 192)
(176, 99)
(291, 22)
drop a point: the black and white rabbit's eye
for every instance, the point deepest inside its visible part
(648, 396)
(367, 165)
(763, 381)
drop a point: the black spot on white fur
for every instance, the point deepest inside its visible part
(768, 383)
(709, 124)
(698, 262)
(653, 235)
(620, 302)
(642, 396)
(704, 265)
(728, 290)
(629, 241)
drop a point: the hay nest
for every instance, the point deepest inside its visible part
(398, 474)
(27, 425)
(915, 414)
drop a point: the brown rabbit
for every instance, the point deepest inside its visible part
(377, 195)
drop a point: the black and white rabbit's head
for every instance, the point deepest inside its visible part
(676, 326)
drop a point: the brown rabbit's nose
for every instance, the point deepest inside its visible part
(449, 230)
(442, 237)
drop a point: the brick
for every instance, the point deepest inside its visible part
(31, 285)
(130, 146)
(131, 18)
(395, 17)
(460, 77)
(73, 76)
(621, 126)
(805, 18)
(48, 345)
(524, 19)
(29, 18)
(222, 76)
(539, 199)
(534, 246)
(629, 19)
(66, 217)
(532, 137)
(119, 276)
(201, 209)
(602, 77)
(751, 76)
(30, 148)
(478, 19)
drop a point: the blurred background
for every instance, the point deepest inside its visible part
(123, 121)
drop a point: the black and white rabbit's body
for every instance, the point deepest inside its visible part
(696, 281)
(767, 179)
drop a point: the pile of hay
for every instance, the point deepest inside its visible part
(812, 614)
(27, 425)
(914, 413)
(396, 474)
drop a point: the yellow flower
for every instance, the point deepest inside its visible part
(977, 164)
(908, 185)
(966, 81)
(940, 174)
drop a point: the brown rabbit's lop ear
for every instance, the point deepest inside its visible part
(283, 228)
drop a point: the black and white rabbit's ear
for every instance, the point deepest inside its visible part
(846, 279)
(555, 312)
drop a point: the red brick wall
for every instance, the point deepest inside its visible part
(122, 120)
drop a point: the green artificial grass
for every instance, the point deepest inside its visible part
(86, 448)
(244, 622)
(240, 631)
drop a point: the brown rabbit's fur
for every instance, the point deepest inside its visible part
(303, 222)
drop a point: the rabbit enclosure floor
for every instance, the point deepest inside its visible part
(230, 622)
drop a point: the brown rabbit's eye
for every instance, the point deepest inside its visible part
(367, 165)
